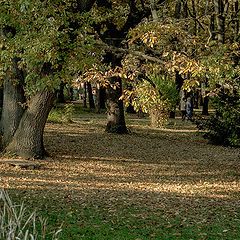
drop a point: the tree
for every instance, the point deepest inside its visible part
(113, 31)
(41, 44)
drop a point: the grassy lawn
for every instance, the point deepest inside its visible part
(151, 184)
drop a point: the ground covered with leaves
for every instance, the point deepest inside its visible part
(165, 183)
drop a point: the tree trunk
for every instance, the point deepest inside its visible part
(1, 97)
(90, 95)
(97, 99)
(102, 97)
(177, 13)
(220, 9)
(13, 100)
(60, 94)
(205, 105)
(70, 89)
(115, 112)
(154, 11)
(85, 95)
(28, 138)
(195, 99)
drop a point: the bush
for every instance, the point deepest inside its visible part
(224, 127)
(168, 88)
(17, 224)
(60, 115)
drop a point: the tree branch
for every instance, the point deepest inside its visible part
(139, 54)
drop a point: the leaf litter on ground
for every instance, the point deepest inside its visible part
(172, 172)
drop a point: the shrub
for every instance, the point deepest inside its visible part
(60, 115)
(224, 127)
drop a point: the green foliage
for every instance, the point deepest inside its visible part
(157, 97)
(224, 128)
(146, 98)
(61, 114)
(68, 112)
(168, 89)
(222, 76)
(48, 38)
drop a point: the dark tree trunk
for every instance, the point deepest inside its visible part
(60, 94)
(185, 9)
(177, 13)
(90, 95)
(71, 93)
(13, 100)
(1, 97)
(220, 10)
(102, 97)
(195, 99)
(205, 105)
(115, 112)
(28, 138)
(97, 100)
(130, 109)
(85, 96)
(178, 80)
(172, 114)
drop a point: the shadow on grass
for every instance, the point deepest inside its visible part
(155, 180)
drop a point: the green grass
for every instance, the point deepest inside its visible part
(65, 112)
(132, 222)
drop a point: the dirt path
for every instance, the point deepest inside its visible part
(171, 170)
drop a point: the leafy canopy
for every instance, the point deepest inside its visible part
(48, 37)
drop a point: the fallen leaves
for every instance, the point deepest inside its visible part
(170, 170)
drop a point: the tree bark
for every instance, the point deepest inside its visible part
(177, 13)
(60, 94)
(28, 138)
(115, 112)
(154, 10)
(13, 100)
(205, 105)
(85, 95)
(97, 99)
(90, 95)
(220, 9)
(102, 97)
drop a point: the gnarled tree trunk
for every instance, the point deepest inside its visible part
(28, 138)
(115, 112)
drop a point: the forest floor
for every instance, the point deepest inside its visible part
(153, 183)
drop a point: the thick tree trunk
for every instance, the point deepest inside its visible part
(13, 100)
(115, 112)
(28, 139)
